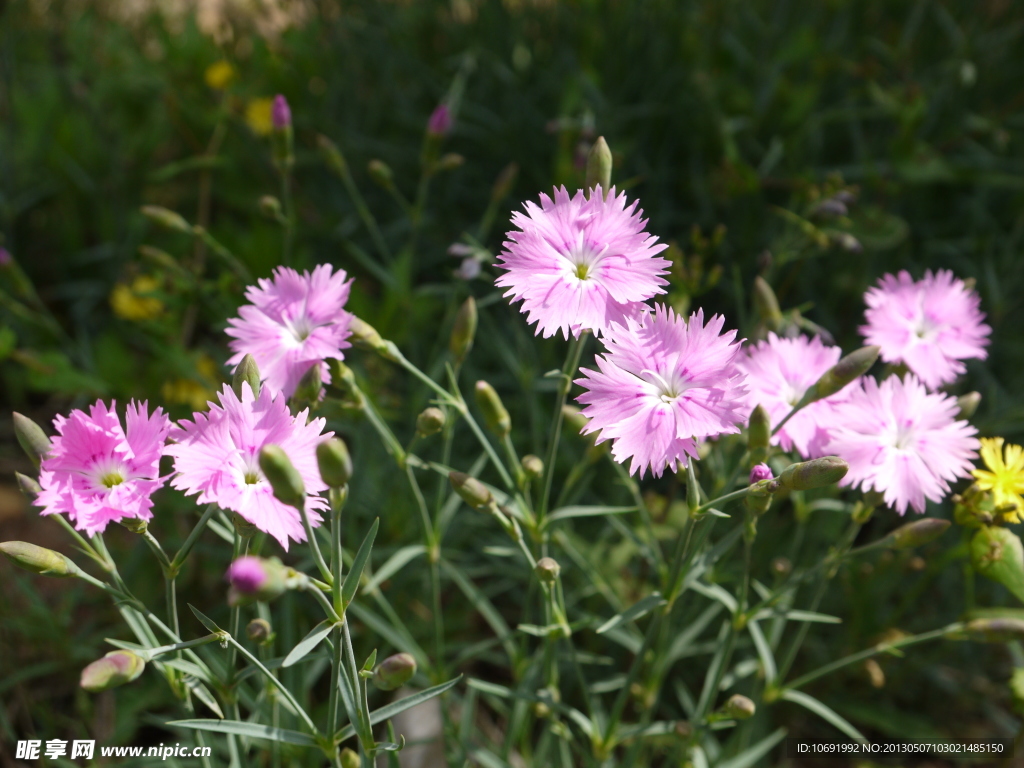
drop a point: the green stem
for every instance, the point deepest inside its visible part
(289, 216)
(274, 681)
(314, 548)
(332, 704)
(572, 361)
(321, 598)
(362, 209)
(193, 536)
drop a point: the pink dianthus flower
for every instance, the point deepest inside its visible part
(662, 383)
(779, 371)
(217, 456)
(97, 472)
(581, 263)
(902, 441)
(293, 322)
(930, 325)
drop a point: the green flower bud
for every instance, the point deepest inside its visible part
(996, 630)
(816, 473)
(350, 759)
(134, 524)
(599, 166)
(380, 173)
(270, 206)
(311, 384)
(332, 155)
(575, 420)
(243, 527)
(450, 161)
(282, 476)
(503, 183)
(968, 404)
(847, 370)
(547, 569)
(39, 560)
(464, 330)
(335, 463)
(394, 672)
(472, 491)
(430, 422)
(31, 438)
(246, 372)
(259, 631)
(256, 578)
(739, 707)
(533, 466)
(997, 554)
(766, 304)
(495, 416)
(28, 485)
(917, 532)
(364, 335)
(759, 433)
(114, 669)
(166, 218)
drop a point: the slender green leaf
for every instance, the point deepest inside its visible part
(824, 712)
(567, 512)
(386, 713)
(715, 592)
(308, 643)
(764, 651)
(635, 611)
(681, 643)
(485, 607)
(204, 619)
(351, 583)
(203, 694)
(755, 752)
(394, 564)
(399, 637)
(249, 730)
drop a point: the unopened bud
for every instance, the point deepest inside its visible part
(464, 330)
(996, 630)
(766, 304)
(31, 438)
(350, 759)
(255, 578)
(547, 569)
(848, 242)
(440, 121)
(759, 432)
(781, 566)
(114, 669)
(311, 385)
(394, 672)
(280, 113)
(829, 208)
(739, 707)
(917, 532)
(573, 418)
(380, 173)
(134, 524)
(450, 161)
(495, 415)
(816, 473)
(968, 404)
(334, 461)
(997, 554)
(472, 491)
(875, 674)
(28, 485)
(364, 335)
(284, 479)
(249, 373)
(259, 631)
(39, 560)
(533, 466)
(430, 422)
(503, 183)
(760, 472)
(335, 160)
(270, 206)
(166, 218)
(599, 166)
(847, 370)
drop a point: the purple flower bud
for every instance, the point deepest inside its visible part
(247, 574)
(760, 472)
(440, 121)
(468, 270)
(5, 257)
(281, 113)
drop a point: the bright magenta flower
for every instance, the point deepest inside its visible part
(97, 472)
(664, 382)
(581, 263)
(779, 372)
(930, 325)
(292, 322)
(217, 457)
(902, 441)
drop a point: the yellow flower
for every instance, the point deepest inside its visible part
(258, 116)
(192, 392)
(134, 302)
(1005, 478)
(219, 74)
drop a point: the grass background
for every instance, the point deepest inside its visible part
(722, 116)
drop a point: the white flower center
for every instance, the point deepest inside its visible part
(109, 473)
(300, 327)
(584, 260)
(905, 435)
(670, 385)
(792, 395)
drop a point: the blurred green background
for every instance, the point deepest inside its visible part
(728, 119)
